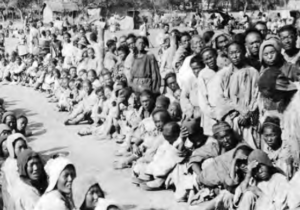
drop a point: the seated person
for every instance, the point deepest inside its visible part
(22, 123)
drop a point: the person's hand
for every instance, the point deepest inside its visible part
(184, 133)
(136, 150)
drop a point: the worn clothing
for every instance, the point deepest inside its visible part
(293, 59)
(54, 200)
(289, 70)
(145, 74)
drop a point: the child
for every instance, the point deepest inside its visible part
(64, 102)
(153, 172)
(22, 122)
(73, 73)
(147, 138)
(82, 74)
(92, 76)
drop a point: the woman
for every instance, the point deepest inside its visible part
(145, 72)
(16, 143)
(86, 192)
(33, 180)
(175, 111)
(237, 95)
(278, 151)
(61, 173)
(271, 57)
(3, 149)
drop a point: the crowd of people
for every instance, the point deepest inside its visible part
(213, 116)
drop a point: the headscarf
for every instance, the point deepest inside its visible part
(4, 127)
(261, 157)
(53, 168)
(220, 126)
(6, 114)
(103, 204)
(81, 185)
(271, 42)
(217, 35)
(10, 143)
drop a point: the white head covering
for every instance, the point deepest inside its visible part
(11, 140)
(103, 204)
(53, 168)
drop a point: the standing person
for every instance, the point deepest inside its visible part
(58, 194)
(33, 35)
(145, 71)
(67, 51)
(253, 40)
(238, 93)
(207, 83)
(288, 37)
(220, 41)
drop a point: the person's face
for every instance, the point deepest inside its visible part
(92, 197)
(91, 77)
(185, 42)
(100, 95)
(130, 43)
(225, 139)
(107, 79)
(253, 42)
(173, 111)
(236, 54)
(140, 45)
(172, 83)
(66, 38)
(262, 172)
(91, 53)
(166, 43)
(64, 75)
(34, 169)
(196, 67)
(86, 87)
(210, 59)
(270, 55)
(222, 41)
(271, 137)
(122, 41)
(262, 29)
(20, 146)
(11, 121)
(197, 44)
(107, 92)
(4, 149)
(166, 29)
(64, 83)
(288, 40)
(73, 72)
(65, 180)
(21, 124)
(177, 94)
(146, 102)
(121, 55)
(48, 33)
(158, 121)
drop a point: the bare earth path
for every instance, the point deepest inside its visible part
(87, 153)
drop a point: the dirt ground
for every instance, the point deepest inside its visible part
(88, 154)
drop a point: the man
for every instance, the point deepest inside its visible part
(262, 28)
(253, 40)
(288, 37)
